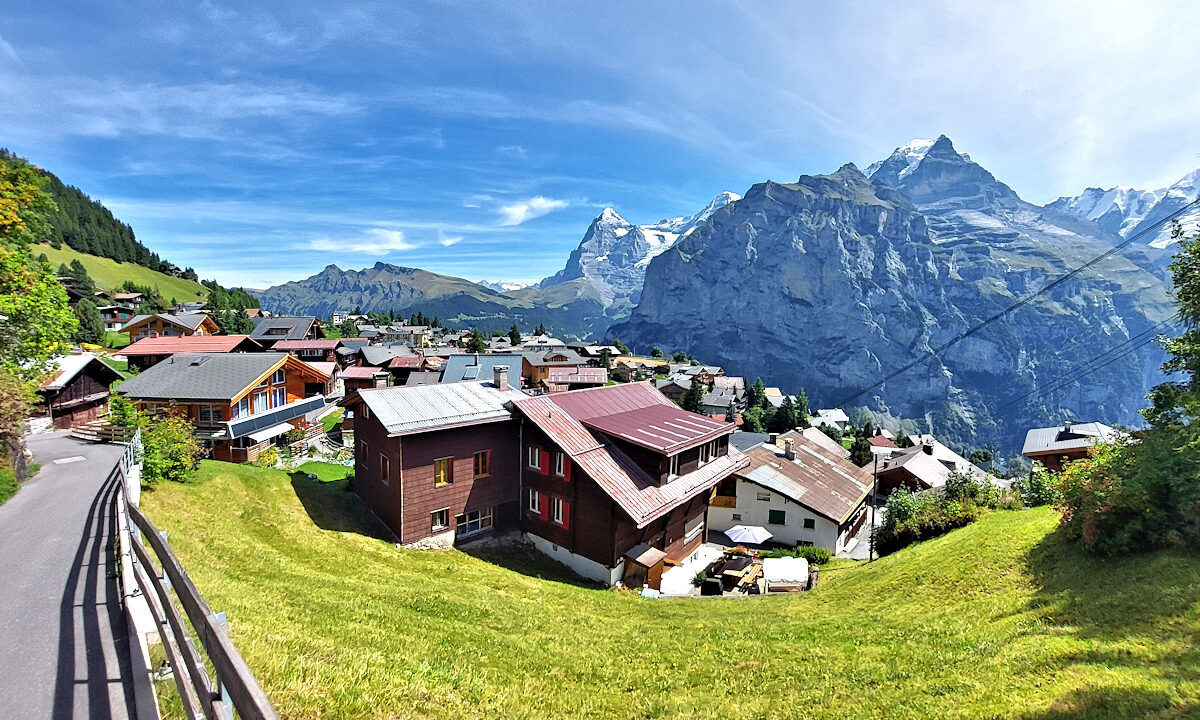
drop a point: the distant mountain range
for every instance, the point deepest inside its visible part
(1125, 211)
(834, 281)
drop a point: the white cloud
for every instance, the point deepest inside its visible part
(445, 241)
(534, 207)
(375, 241)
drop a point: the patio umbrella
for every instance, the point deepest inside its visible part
(752, 534)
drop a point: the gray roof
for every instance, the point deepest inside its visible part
(380, 355)
(717, 400)
(479, 367)
(745, 440)
(1062, 438)
(431, 377)
(200, 376)
(403, 410)
(537, 358)
(297, 327)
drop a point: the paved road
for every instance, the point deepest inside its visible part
(862, 549)
(63, 641)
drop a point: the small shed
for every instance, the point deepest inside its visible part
(644, 566)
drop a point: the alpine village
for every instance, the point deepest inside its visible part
(881, 443)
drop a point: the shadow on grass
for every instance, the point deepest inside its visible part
(1121, 604)
(332, 506)
(522, 558)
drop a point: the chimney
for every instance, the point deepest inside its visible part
(773, 438)
(1067, 426)
(927, 446)
(500, 377)
(789, 449)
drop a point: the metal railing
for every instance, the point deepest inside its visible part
(234, 688)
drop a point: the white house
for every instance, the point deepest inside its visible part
(835, 417)
(802, 493)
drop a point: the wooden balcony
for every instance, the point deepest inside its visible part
(723, 501)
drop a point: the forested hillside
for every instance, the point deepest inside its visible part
(86, 226)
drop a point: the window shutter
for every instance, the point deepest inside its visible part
(545, 462)
(546, 501)
(566, 510)
(566, 468)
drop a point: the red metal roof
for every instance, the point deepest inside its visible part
(364, 372)
(562, 417)
(881, 441)
(663, 428)
(406, 361)
(306, 344)
(189, 344)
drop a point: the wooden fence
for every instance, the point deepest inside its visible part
(160, 578)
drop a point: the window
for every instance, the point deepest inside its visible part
(473, 521)
(764, 497)
(443, 471)
(535, 501)
(362, 450)
(366, 412)
(776, 517)
(703, 454)
(483, 463)
(439, 519)
(556, 510)
(208, 413)
(260, 402)
(737, 516)
(810, 524)
(277, 376)
(385, 469)
(559, 463)
(673, 466)
(713, 448)
(535, 457)
(242, 409)
(279, 397)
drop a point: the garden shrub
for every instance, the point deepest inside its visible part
(813, 554)
(1041, 487)
(267, 458)
(170, 450)
(913, 516)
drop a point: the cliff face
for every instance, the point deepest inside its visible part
(834, 281)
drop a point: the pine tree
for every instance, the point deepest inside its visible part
(860, 451)
(730, 414)
(693, 399)
(91, 326)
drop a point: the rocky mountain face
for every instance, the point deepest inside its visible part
(834, 281)
(610, 262)
(1125, 211)
(384, 287)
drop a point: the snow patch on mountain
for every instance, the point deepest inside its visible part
(1127, 211)
(908, 156)
(503, 285)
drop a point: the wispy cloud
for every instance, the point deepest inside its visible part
(375, 241)
(535, 207)
(449, 241)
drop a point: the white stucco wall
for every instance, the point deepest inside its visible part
(755, 512)
(582, 566)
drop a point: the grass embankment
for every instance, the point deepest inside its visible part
(8, 484)
(109, 274)
(332, 420)
(998, 619)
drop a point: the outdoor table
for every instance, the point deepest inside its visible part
(734, 570)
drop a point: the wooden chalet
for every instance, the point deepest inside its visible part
(362, 377)
(310, 350)
(438, 463)
(536, 366)
(608, 470)
(115, 317)
(77, 391)
(1055, 447)
(169, 325)
(240, 403)
(927, 464)
(270, 330)
(563, 379)
(148, 352)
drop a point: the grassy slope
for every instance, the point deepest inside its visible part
(8, 484)
(1000, 619)
(109, 274)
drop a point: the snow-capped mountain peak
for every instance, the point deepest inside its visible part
(907, 157)
(503, 285)
(1126, 211)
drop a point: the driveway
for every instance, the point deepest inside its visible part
(860, 547)
(65, 645)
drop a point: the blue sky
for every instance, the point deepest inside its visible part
(479, 139)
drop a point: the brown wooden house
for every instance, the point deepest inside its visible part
(170, 325)
(240, 403)
(438, 463)
(77, 391)
(608, 470)
(1055, 447)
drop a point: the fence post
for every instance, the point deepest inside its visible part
(223, 623)
(166, 580)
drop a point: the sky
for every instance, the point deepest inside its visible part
(260, 142)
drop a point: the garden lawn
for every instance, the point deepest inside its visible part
(999, 619)
(332, 420)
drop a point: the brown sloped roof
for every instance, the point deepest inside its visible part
(562, 416)
(817, 479)
(190, 344)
